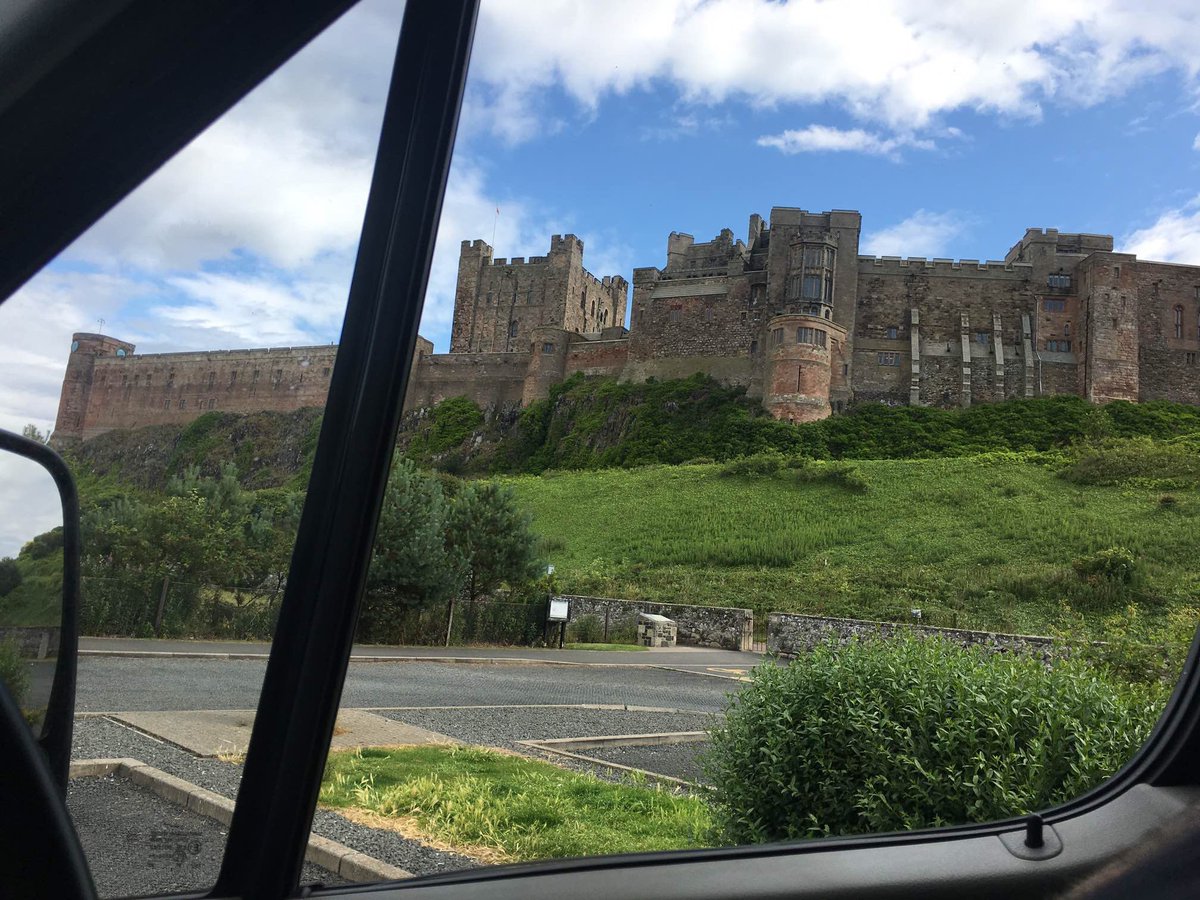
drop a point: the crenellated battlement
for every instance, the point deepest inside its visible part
(520, 261)
(882, 265)
(565, 242)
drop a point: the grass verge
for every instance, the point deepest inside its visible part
(502, 807)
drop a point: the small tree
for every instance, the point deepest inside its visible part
(492, 538)
(10, 576)
(32, 432)
(411, 566)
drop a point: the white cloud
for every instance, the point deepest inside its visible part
(898, 62)
(826, 139)
(1196, 143)
(1174, 237)
(29, 502)
(924, 233)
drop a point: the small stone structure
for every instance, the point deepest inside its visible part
(32, 642)
(655, 631)
(790, 634)
(724, 627)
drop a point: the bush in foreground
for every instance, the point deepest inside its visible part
(913, 733)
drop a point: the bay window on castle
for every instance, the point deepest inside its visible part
(814, 336)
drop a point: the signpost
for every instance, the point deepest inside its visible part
(557, 612)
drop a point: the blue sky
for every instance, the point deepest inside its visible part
(951, 128)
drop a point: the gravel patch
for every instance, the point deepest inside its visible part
(503, 727)
(101, 738)
(138, 843)
(676, 760)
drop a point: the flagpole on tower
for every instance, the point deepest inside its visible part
(494, 221)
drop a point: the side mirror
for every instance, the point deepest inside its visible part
(39, 595)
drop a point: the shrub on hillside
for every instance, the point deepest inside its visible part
(766, 463)
(10, 575)
(1113, 565)
(913, 733)
(1140, 459)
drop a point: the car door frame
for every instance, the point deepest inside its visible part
(164, 57)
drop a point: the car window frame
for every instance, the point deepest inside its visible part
(310, 654)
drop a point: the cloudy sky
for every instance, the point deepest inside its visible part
(951, 127)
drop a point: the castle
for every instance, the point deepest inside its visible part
(793, 313)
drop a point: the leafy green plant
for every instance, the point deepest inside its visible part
(912, 733)
(585, 630)
(14, 672)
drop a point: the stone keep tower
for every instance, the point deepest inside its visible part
(77, 383)
(500, 303)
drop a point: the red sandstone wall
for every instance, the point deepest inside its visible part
(175, 388)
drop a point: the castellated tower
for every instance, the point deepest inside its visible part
(77, 383)
(499, 304)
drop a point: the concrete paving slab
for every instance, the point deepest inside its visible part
(219, 732)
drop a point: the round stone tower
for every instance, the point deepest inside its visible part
(76, 395)
(798, 366)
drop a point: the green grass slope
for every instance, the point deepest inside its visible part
(974, 542)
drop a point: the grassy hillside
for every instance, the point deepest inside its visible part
(977, 542)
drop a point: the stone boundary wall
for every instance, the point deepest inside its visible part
(33, 642)
(789, 634)
(724, 627)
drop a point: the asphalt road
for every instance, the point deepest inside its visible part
(113, 683)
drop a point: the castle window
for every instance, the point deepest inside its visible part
(489, 298)
(1059, 280)
(799, 377)
(754, 348)
(1116, 271)
(812, 287)
(512, 329)
(547, 347)
(124, 379)
(212, 378)
(794, 286)
(983, 337)
(708, 314)
(758, 292)
(170, 380)
(845, 369)
(183, 402)
(893, 333)
(828, 314)
(529, 297)
(1178, 322)
(889, 358)
(1058, 346)
(325, 372)
(593, 309)
(1054, 305)
(212, 402)
(1067, 329)
(137, 379)
(776, 337)
(1190, 358)
(814, 336)
(167, 403)
(675, 316)
(148, 377)
(254, 376)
